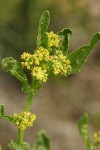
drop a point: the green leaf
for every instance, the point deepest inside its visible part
(1, 110)
(84, 131)
(64, 40)
(42, 29)
(2, 113)
(13, 67)
(42, 141)
(15, 146)
(79, 56)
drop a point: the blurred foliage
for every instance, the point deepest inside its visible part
(42, 142)
(19, 19)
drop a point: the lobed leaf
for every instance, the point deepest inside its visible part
(15, 146)
(42, 39)
(42, 141)
(64, 40)
(13, 67)
(79, 56)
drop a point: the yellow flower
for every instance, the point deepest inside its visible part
(42, 54)
(23, 120)
(53, 39)
(39, 74)
(25, 55)
(97, 137)
(60, 64)
(42, 64)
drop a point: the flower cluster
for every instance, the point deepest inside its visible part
(60, 64)
(23, 120)
(44, 63)
(37, 63)
(53, 39)
(97, 137)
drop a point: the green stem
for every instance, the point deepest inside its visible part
(20, 136)
(28, 102)
(26, 108)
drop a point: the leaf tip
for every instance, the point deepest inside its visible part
(46, 12)
(83, 120)
(95, 39)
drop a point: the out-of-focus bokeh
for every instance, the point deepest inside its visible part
(61, 101)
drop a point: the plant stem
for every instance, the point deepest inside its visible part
(26, 108)
(20, 136)
(28, 102)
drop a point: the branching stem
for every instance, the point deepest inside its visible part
(26, 108)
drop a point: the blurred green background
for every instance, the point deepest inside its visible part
(61, 101)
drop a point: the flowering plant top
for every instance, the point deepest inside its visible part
(50, 58)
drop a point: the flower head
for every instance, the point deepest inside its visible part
(39, 74)
(53, 39)
(60, 64)
(23, 120)
(44, 63)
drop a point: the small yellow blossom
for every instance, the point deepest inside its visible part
(53, 39)
(97, 137)
(61, 65)
(23, 120)
(39, 74)
(42, 54)
(25, 55)
(25, 64)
